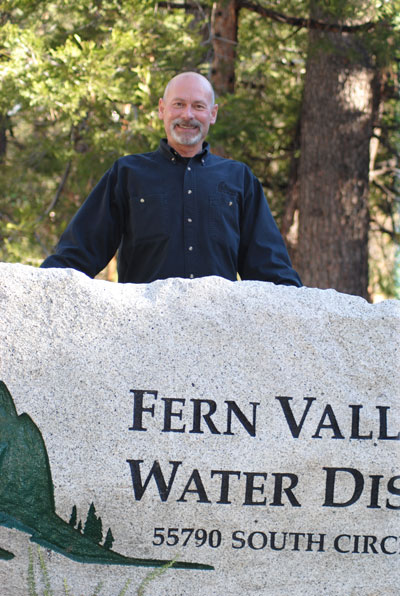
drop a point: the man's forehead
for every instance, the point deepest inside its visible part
(195, 98)
(189, 87)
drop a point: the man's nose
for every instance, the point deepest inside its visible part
(188, 112)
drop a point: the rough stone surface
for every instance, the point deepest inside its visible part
(72, 353)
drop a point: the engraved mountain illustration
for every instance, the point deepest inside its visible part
(27, 496)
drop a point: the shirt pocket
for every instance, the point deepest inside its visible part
(224, 221)
(149, 217)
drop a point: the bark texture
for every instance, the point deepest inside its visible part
(224, 30)
(339, 107)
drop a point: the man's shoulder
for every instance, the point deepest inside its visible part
(232, 166)
(135, 163)
(227, 161)
(132, 158)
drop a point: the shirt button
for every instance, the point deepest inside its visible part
(202, 161)
(142, 200)
(172, 158)
(189, 168)
(189, 219)
(230, 203)
(190, 248)
(191, 276)
(189, 192)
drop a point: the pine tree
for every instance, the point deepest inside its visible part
(99, 530)
(72, 519)
(93, 526)
(109, 540)
(90, 524)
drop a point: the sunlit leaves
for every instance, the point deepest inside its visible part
(80, 82)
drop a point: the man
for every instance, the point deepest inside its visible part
(179, 211)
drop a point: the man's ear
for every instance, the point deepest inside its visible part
(214, 112)
(161, 108)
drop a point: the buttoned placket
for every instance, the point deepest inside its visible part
(189, 219)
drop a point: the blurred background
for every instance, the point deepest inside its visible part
(308, 95)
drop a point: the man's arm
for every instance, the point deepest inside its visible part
(262, 254)
(94, 233)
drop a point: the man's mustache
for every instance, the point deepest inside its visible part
(191, 122)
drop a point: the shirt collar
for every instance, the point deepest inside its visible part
(169, 153)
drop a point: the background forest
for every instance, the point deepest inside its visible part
(308, 95)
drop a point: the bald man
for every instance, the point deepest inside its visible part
(179, 211)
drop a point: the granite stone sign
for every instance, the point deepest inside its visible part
(196, 438)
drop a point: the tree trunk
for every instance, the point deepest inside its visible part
(3, 137)
(224, 30)
(339, 106)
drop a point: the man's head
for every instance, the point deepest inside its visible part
(187, 109)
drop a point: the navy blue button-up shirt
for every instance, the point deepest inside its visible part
(176, 217)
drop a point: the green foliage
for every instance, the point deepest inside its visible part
(31, 575)
(45, 575)
(109, 540)
(152, 575)
(97, 589)
(80, 82)
(125, 588)
(48, 591)
(258, 124)
(73, 518)
(93, 526)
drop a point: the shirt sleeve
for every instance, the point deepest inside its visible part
(94, 233)
(262, 255)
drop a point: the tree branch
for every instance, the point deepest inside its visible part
(304, 23)
(382, 171)
(380, 228)
(59, 189)
(299, 22)
(190, 5)
(388, 192)
(42, 246)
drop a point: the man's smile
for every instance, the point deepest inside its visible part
(186, 126)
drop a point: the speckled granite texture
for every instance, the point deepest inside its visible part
(246, 426)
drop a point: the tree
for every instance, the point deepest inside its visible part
(224, 30)
(333, 176)
(341, 110)
(73, 518)
(93, 526)
(109, 540)
(79, 89)
(80, 83)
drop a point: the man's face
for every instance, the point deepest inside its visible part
(187, 110)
